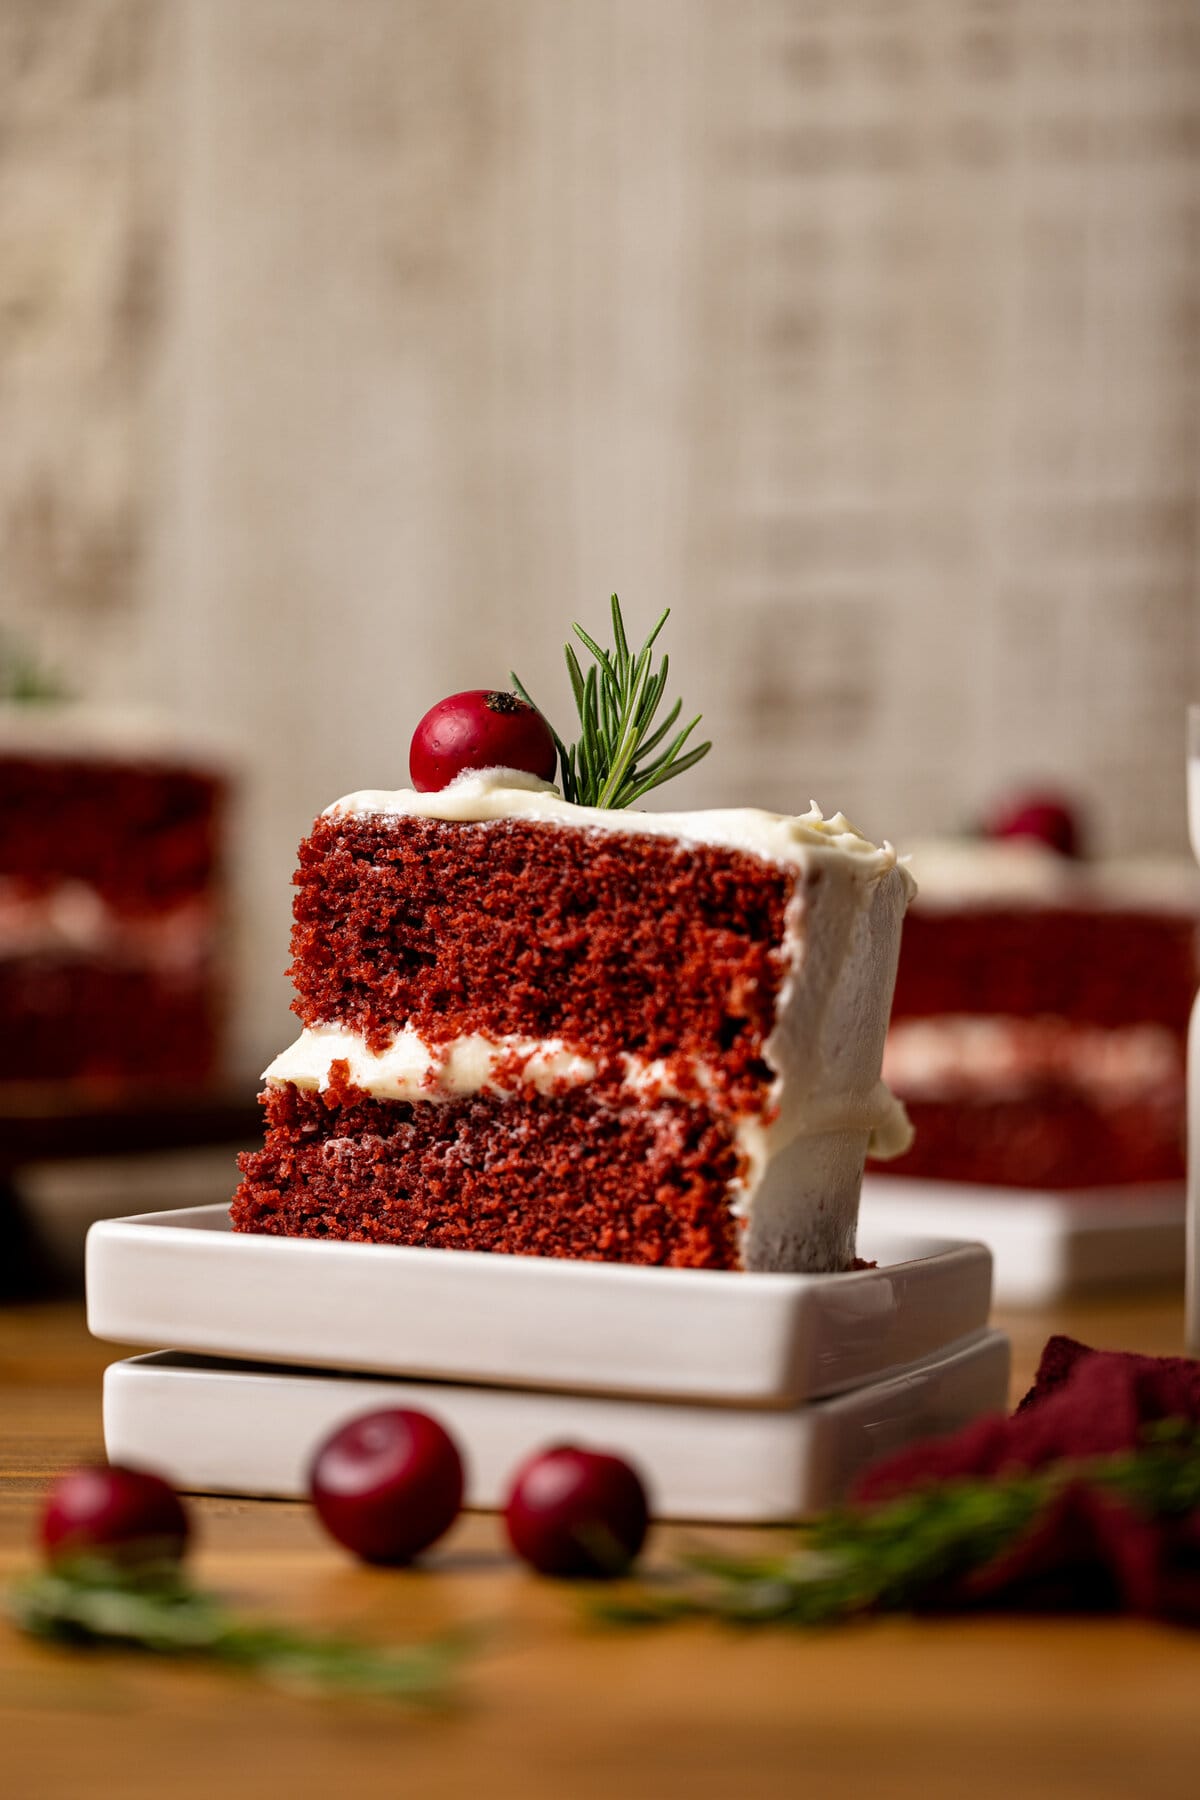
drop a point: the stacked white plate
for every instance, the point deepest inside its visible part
(740, 1397)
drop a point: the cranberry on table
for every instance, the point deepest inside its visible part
(388, 1484)
(128, 1514)
(577, 1512)
(1040, 816)
(479, 729)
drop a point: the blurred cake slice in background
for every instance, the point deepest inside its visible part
(111, 952)
(1040, 1018)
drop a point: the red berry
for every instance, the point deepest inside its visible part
(577, 1512)
(479, 730)
(388, 1484)
(123, 1513)
(1039, 816)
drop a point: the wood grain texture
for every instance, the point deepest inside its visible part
(1049, 1710)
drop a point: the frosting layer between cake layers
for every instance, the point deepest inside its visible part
(788, 1069)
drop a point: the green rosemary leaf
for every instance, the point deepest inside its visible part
(905, 1553)
(652, 692)
(656, 737)
(662, 619)
(601, 656)
(566, 758)
(618, 625)
(610, 765)
(676, 745)
(157, 1611)
(22, 678)
(669, 764)
(570, 777)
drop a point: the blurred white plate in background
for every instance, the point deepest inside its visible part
(1045, 1245)
(184, 1279)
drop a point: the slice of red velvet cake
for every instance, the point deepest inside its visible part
(111, 899)
(557, 1030)
(1040, 1020)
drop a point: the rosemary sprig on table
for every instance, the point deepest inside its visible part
(616, 701)
(156, 1609)
(908, 1552)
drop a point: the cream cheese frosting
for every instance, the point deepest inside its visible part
(495, 794)
(1003, 1058)
(409, 1069)
(71, 919)
(838, 951)
(54, 729)
(985, 872)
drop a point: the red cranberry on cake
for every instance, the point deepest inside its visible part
(476, 730)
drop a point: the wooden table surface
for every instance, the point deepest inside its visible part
(1064, 1709)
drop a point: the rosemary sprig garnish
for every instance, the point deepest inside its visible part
(909, 1552)
(156, 1609)
(22, 677)
(616, 701)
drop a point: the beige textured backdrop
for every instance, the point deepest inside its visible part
(348, 350)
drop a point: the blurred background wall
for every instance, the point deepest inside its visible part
(351, 348)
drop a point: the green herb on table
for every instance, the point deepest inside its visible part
(102, 1604)
(926, 1549)
(616, 701)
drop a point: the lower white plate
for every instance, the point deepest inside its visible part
(183, 1278)
(1044, 1245)
(214, 1427)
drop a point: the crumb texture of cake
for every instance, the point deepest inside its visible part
(543, 1029)
(1040, 1018)
(583, 1173)
(110, 903)
(611, 943)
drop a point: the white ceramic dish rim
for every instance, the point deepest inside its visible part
(721, 1338)
(900, 1250)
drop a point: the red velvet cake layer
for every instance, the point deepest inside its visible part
(144, 836)
(75, 1020)
(109, 951)
(1101, 967)
(614, 942)
(1048, 1141)
(578, 1174)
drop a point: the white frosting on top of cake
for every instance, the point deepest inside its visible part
(985, 872)
(82, 730)
(493, 794)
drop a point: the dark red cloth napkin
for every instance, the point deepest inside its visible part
(1087, 1548)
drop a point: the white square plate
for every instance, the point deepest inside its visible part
(185, 1279)
(1044, 1244)
(219, 1427)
